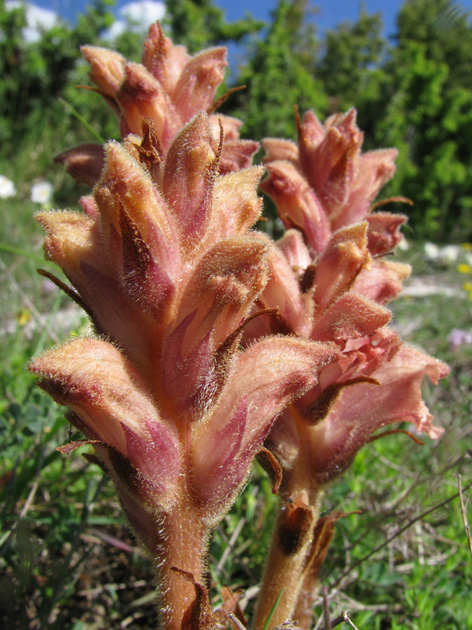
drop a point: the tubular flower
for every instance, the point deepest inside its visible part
(339, 297)
(325, 182)
(332, 284)
(167, 90)
(331, 281)
(163, 261)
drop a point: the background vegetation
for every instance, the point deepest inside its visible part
(66, 558)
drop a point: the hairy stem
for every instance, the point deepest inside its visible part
(181, 569)
(287, 559)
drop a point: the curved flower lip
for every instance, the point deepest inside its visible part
(222, 288)
(196, 87)
(342, 260)
(107, 68)
(297, 203)
(84, 163)
(383, 281)
(350, 317)
(384, 232)
(236, 205)
(114, 405)
(277, 149)
(295, 251)
(262, 381)
(362, 409)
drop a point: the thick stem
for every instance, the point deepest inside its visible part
(181, 567)
(288, 555)
(324, 531)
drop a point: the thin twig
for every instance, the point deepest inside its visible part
(347, 618)
(464, 515)
(236, 621)
(230, 545)
(398, 533)
(327, 622)
(34, 487)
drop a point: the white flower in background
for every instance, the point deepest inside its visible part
(450, 252)
(7, 188)
(431, 250)
(136, 17)
(41, 192)
(404, 245)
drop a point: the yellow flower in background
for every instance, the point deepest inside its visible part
(464, 268)
(467, 286)
(24, 317)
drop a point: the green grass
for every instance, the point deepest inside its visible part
(66, 557)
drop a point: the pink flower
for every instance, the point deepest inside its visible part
(163, 93)
(163, 261)
(326, 182)
(329, 287)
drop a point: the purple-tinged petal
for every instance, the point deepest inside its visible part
(282, 291)
(197, 84)
(327, 159)
(141, 97)
(163, 60)
(236, 204)
(223, 288)
(107, 68)
(237, 154)
(138, 230)
(340, 263)
(297, 204)
(383, 281)
(384, 232)
(100, 384)
(364, 408)
(263, 380)
(277, 149)
(350, 317)
(190, 171)
(295, 251)
(183, 374)
(374, 169)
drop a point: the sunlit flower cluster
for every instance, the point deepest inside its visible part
(212, 344)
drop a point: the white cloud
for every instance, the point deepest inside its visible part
(38, 20)
(136, 17)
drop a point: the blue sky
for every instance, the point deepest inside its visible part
(331, 11)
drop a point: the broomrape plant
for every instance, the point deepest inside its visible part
(213, 344)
